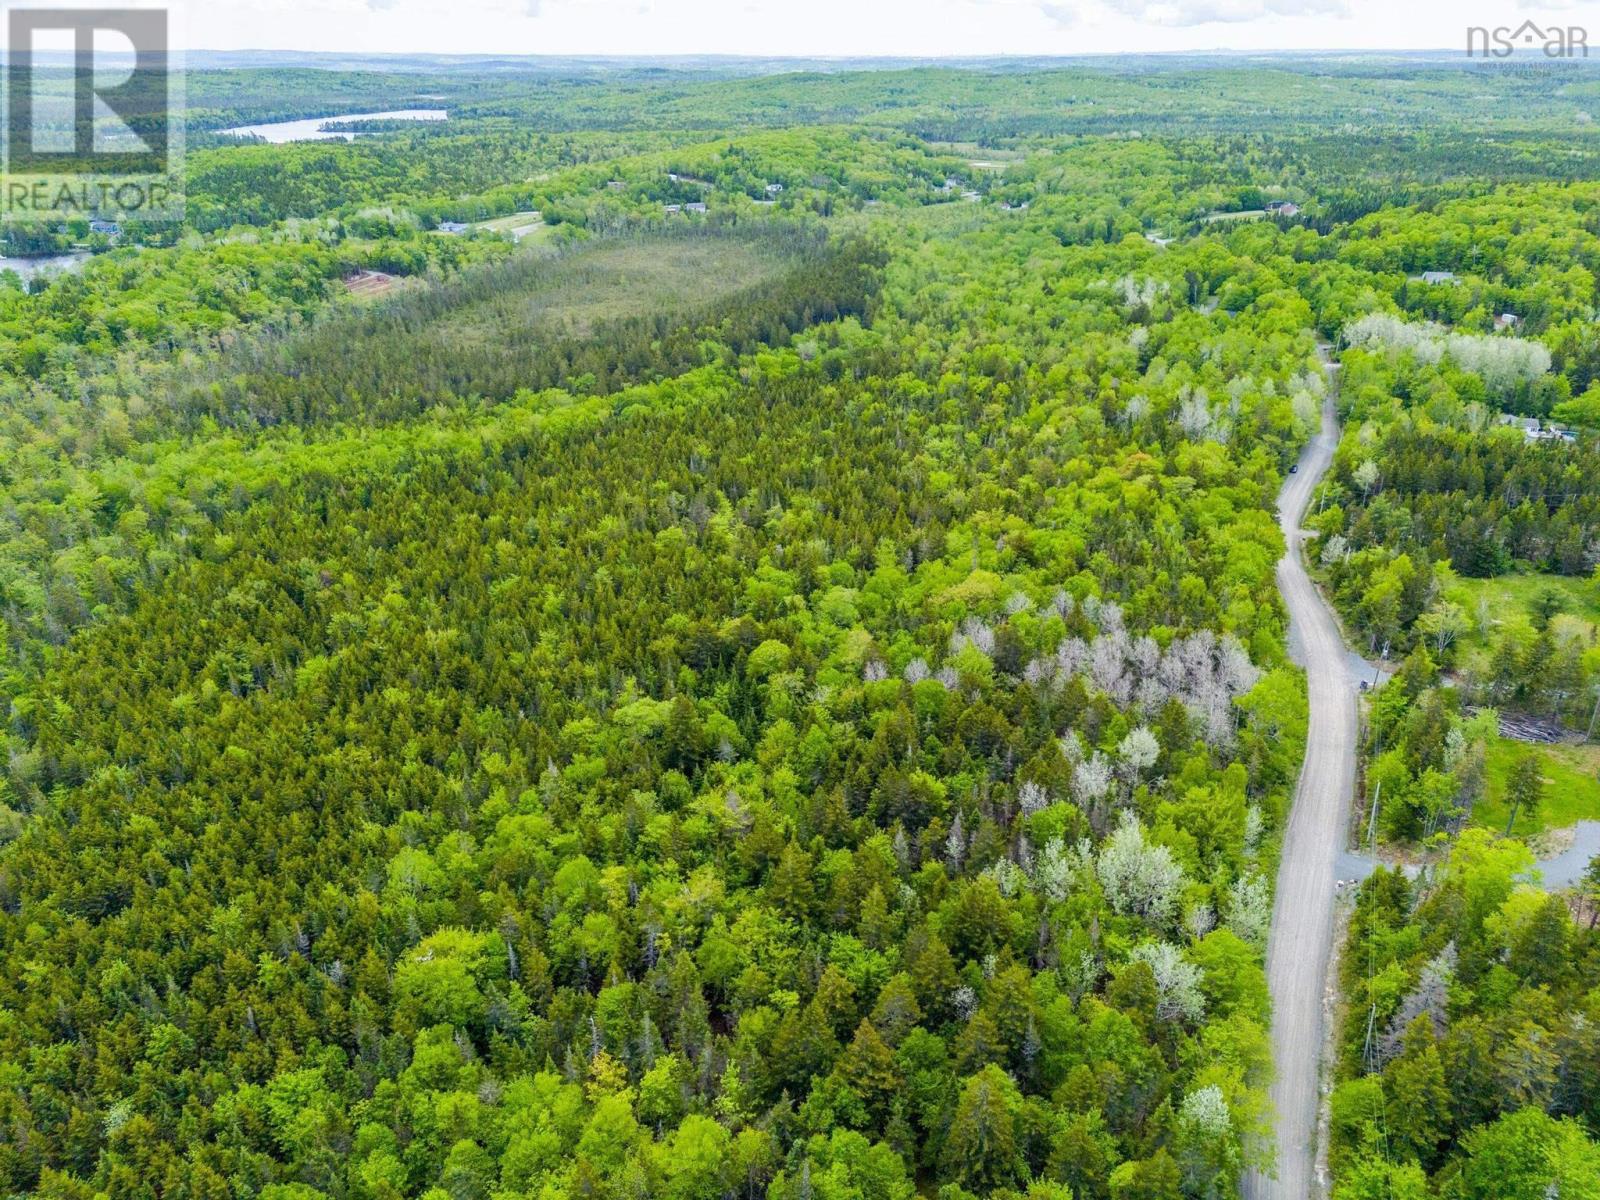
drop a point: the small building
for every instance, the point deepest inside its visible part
(696, 206)
(616, 185)
(672, 208)
(774, 188)
(971, 197)
(1528, 425)
(1283, 208)
(1507, 321)
(452, 227)
(109, 228)
(1439, 277)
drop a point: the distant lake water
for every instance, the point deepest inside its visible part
(46, 264)
(310, 129)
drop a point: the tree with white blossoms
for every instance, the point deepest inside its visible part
(1139, 751)
(1430, 997)
(1194, 413)
(1250, 908)
(916, 671)
(1199, 920)
(1365, 476)
(1108, 659)
(1255, 823)
(1032, 798)
(975, 632)
(1205, 1113)
(1139, 879)
(1177, 981)
(1091, 779)
(955, 846)
(1135, 292)
(1055, 870)
(1207, 1154)
(1501, 362)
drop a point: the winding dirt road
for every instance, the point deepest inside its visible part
(1302, 919)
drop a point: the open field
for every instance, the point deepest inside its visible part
(521, 226)
(1508, 602)
(612, 280)
(1572, 786)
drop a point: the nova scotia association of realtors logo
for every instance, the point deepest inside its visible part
(92, 108)
(1529, 38)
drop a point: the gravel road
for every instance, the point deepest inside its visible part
(1302, 920)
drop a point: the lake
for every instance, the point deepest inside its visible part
(48, 264)
(310, 129)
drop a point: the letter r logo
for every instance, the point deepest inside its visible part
(87, 116)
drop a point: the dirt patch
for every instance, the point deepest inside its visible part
(370, 283)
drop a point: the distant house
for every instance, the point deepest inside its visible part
(1507, 321)
(616, 185)
(1439, 277)
(1283, 208)
(109, 228)
(1533, 431)
(1528, 425)
(696, 206)
(774, 188)
(452, 227)
(971, 197)
(672, 208)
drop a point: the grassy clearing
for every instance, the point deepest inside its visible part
(1508, 602)
(613, 280)
(1572, 787)
(522, 226)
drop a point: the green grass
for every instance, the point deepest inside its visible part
(528, 227)
(1571, 787)
(611, 280)
(1507, 602)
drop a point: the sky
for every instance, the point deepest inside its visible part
(843, 28)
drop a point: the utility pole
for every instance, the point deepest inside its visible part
(1594, 720)
(1372, 821)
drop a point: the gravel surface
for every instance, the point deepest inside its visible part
(1302, 919)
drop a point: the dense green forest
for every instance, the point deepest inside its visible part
(788, 698)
